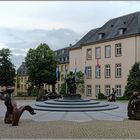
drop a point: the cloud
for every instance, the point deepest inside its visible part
(19, 41)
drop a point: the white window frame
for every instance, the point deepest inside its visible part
(118, 89)
(118, 70)
(98, 52)
(89, 91)
(108, 51)
(121, 31)
(97, 73)
(107, 71)
(89, 72)
(118, 50)
(107, 90)
(97, 90)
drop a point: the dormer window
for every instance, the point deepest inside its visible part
(124, 22)
(121, 31)
(101, 35)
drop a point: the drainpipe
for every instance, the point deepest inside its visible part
(135, 49)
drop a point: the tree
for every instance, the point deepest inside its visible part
(133, 81)
(80, 82)
(7, 70)
(63, 88)
(41, 65)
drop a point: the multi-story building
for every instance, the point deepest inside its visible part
(22, 79)
(108, 54)
(62, 55)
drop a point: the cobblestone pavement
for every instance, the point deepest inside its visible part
(104, 124)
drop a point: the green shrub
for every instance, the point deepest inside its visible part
(63, 89)
(33, 92)
(101, 96)
(122, 98)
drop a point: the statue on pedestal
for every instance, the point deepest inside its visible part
(71, 84)
(112, 97)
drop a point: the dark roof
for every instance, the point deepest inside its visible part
(62, 55)
(85, 38)
(22, 70)
(110, 30)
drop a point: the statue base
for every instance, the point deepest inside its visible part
(72, 96)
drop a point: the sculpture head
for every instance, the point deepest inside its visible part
(71, 73)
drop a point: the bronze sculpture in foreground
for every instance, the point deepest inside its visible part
(13, 113)
(134, 106)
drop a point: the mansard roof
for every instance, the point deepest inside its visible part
(22, 70)
(110, 30)
(62, 55)
(85, 38)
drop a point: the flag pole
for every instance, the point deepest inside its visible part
(66, 78)
(85, 74)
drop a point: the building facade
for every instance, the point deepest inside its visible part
(62, 55)
(22, 80)
(104, 54)
(107, 54)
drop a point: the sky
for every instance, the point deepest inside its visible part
(26, 24)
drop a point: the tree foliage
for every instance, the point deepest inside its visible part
(7, 68)
(41, 65)
(133, 81)
(80, 82)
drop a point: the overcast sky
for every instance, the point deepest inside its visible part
(25, 25)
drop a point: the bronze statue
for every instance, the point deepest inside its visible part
(13, 113)
(71, 84)
(134, 106)
(41, 93)
(112, 97)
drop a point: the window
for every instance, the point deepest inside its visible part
(62, 77)
(118, 50)
(107, 51)
(61, 67)
(118, 90)
(97, 72)
(89, 54)
(97, 52)
(89, 72)
(89, 91)
(67, 58)
(107, 90)
(63, 51)
(59, 87)
(118, 70)
(121, 31)
(21, 79)
(107, 71)
(100, 35)
(97, 90)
